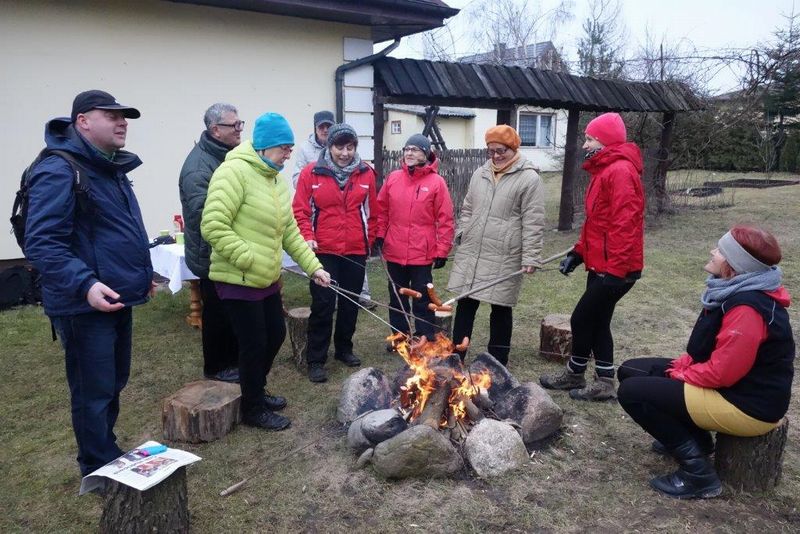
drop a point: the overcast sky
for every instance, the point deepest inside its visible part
(707, 24)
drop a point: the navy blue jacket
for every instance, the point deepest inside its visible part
(73, 249)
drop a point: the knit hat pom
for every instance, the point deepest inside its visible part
(271, 130)
(608, 128)
(505, 135)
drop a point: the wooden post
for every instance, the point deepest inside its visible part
(378, 127)
(205, 410)
(195, 317)
(162, 508)
(566, 210)
(661, 195)
(503, 116)
(751, 464)
(297, 325)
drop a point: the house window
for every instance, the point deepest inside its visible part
(536, 129)
(396, 127)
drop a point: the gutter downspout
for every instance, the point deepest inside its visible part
(341, 69)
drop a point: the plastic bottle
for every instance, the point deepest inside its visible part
(177, 222)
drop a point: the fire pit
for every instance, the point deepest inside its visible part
(438, 414)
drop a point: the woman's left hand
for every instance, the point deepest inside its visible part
(529, 269)
(321, 278)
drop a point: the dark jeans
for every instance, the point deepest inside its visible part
(348, 271)
(220, 350)
(260, 330)
(500, 327)
(656, 402)
(416, 277)
(97, 349)
(591, 324)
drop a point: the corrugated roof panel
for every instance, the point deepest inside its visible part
(444, 77)
(526, 90)
(499, 82)
(417, 77)
(433, 80)
(479, 82)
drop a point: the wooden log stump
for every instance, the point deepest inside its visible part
(555, 338)
(444, 323)
(297, 325)
(162, 508)
(205, 410)
(751, 464)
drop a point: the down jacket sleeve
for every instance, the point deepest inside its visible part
(225, 197)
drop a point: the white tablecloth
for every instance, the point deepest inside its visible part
(169, 261)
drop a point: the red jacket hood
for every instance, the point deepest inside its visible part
(781, 296)
(610, 154)
(431, 167)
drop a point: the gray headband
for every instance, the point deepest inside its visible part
(737, 257)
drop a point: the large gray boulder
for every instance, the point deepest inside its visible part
(420, 452)
(532, 408)
(383, 424)
(356, 439)
(494, 447)
(365, 390)
(502, 380)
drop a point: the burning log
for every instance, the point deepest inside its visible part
(435, 407)
(474, 413)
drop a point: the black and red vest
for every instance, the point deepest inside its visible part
(763, 393)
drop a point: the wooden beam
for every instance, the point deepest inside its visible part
(566, 210)
(504, 116)
(663, 204)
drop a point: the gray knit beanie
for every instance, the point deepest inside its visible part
(421, 142)
(341, 133)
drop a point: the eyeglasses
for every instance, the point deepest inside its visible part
(286, 148)
(412, 149)
(238, 125)
(498, 151)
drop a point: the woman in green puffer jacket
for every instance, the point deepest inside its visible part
(248, 221)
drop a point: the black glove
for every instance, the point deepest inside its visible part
(613, 281)
(569, 263)
(438, 263)
(377, 247)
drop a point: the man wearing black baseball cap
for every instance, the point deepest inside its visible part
(90, 246)
(310, 150)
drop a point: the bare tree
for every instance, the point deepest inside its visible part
(601, 48)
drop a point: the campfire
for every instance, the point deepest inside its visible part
(441, 392)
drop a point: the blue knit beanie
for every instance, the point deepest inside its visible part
(271, 129)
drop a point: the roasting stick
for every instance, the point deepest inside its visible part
(496, 281)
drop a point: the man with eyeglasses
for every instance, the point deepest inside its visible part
(222, 133)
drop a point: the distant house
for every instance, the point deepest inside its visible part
(542, 55)
(172, 59)
(402, 121)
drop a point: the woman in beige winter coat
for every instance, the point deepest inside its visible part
(500, 231)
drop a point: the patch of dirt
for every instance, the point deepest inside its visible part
(751, 183)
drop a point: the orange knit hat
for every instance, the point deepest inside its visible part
(503, 134)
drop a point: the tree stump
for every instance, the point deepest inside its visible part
(297, 325)
(555, 338)
(444, 323)
(162, 508)
(205, 410)
(751, 464)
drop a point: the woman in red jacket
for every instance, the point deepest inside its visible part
(415, 230)
(335, 207)
(736, 374)
(611, 245)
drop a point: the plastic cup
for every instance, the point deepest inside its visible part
(163, 233)
(179, 238)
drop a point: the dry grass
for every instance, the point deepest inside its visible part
(592, 476)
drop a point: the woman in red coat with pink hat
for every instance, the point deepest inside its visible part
(611, 246)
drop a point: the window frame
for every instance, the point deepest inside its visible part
(392, 125)
(538, 115)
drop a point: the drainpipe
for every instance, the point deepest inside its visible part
(341, 69)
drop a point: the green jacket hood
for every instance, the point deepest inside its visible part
(247, 154)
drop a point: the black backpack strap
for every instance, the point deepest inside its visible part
(81, 182)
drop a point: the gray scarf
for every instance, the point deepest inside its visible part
(718, 290)
(342, 174)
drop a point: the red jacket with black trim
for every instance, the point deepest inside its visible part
(612, 236)
(415, 215)
(341, 221)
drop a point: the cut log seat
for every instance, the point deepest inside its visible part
(751, 464)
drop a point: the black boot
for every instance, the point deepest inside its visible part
(696, 477)
(703, 438)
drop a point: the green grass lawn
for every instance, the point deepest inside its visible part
(592, 476)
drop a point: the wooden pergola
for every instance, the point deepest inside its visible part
(438, 83)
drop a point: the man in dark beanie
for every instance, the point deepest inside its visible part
(311, 148)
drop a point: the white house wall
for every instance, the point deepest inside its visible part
(169, 60)
(457, 131)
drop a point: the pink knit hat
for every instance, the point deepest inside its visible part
(608, 128)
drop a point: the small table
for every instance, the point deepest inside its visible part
(170, 261)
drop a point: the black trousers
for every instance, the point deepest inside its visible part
(500, 327)
(260, 330)
(416, 277)
(591, 324)
(656, 402)
(220, 350)
(348, 272)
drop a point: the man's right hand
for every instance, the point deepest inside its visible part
(97, 298)
(312, 244)
(569, 263)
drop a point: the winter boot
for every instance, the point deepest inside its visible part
(696, 477)
(703, 438)
(601, 389)
(348, 358)
(317, 373)
(266, 419)
(564, 379)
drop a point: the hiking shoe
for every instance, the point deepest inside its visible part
(266, 419)
(601, 389)
(565, 379)
(367, 303)
(317, 373)
(348, 358)
(226, 375)
(273, 402)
